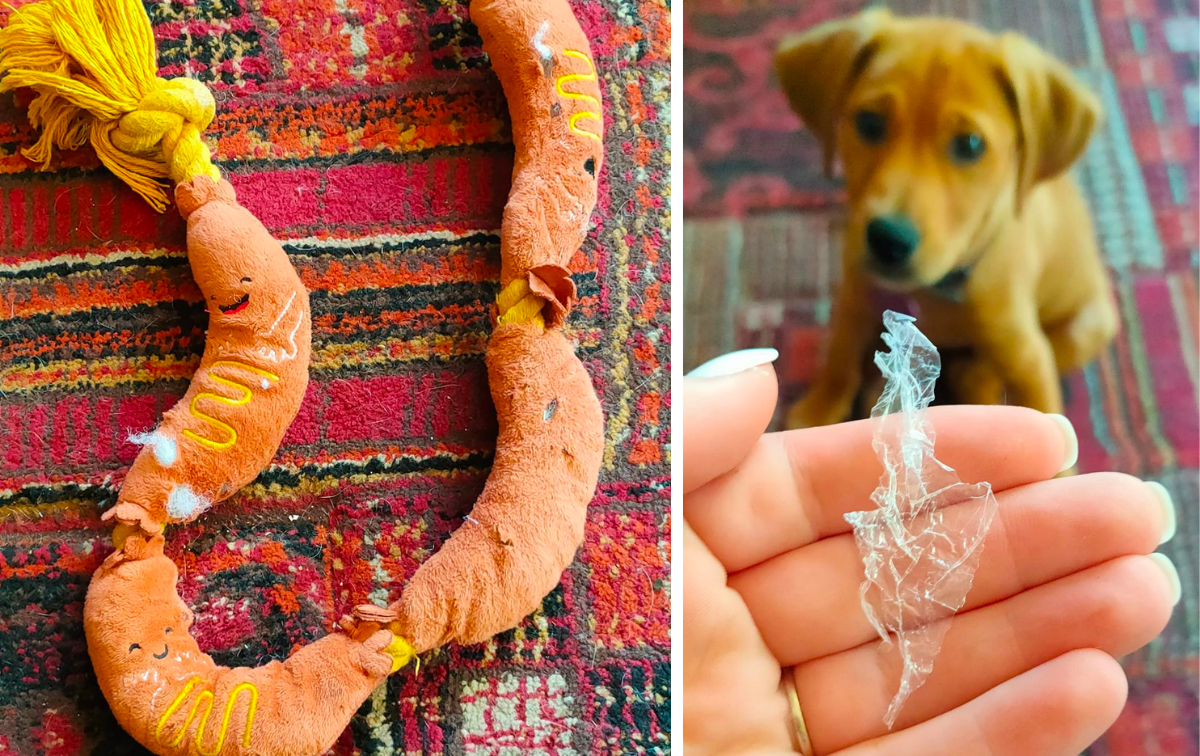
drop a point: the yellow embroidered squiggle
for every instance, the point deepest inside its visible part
(206, 699)
(572, 122)
(230, 432)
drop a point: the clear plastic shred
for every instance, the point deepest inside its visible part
(921, 546)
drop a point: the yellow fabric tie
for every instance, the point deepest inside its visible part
(401, 652)
(92, 66)
(516, 303)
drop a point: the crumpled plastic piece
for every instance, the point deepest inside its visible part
(921, 546)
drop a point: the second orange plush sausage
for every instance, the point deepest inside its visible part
(545, 66)
(174, 699)
(524, 529)
(251, 378)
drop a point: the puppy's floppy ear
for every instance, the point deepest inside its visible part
(818, 67)
(1055, 113)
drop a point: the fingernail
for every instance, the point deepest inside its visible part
(734, 362)
(1168, 510)
(1070, 441)
(1172, 574)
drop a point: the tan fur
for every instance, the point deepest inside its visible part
(1036, 302)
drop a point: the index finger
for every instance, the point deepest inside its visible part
(795, 487)
(722, 418)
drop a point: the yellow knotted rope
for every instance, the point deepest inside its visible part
(92, 66)
(517, 303)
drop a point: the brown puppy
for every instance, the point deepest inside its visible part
(955, 144)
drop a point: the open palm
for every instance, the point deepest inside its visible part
(771, 575)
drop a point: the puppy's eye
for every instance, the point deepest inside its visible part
(134, 647)
(967, 148)
(871, 126)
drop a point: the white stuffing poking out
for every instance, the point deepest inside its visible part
(166, 451)
(184, 503)
(539, 44)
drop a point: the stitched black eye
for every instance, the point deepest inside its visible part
(589, 165)
(245, 280)
(167, 630)
(134, 647)
(967, 148)
(871, 126)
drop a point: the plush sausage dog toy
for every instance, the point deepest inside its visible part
(91, 66)
(527, 524)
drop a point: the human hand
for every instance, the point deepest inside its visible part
(771, 575)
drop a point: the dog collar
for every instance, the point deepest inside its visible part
(903, 303)
(953, 285)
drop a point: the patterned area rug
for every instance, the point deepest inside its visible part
(372, 138)
(762, 239)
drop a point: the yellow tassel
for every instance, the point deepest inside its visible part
(92, 66)
(517, 303)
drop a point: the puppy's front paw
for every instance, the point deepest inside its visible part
(819, 408)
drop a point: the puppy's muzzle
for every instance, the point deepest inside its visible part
(891, 242)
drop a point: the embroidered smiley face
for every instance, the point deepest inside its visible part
(235, 302)
(136, 647)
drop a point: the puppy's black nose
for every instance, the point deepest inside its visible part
(892, 239)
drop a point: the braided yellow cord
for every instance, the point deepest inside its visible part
(92, 66)
(517, 303)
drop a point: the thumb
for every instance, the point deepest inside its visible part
(726, 404)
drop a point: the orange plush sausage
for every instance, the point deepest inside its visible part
(545, 66)
(173, 699)
(251, 379)
(91, 65)
(526, 526)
